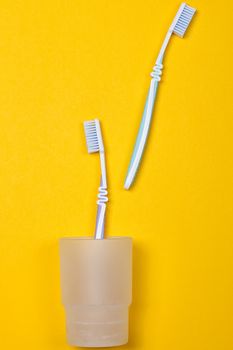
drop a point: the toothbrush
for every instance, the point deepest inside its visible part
(178, 27)
(95, 144)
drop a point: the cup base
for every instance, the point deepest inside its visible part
(97, 325)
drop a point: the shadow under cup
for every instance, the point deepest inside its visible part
(96, 283)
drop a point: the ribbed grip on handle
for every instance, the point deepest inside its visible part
(100, 220)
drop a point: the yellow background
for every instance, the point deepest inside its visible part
(63, 62)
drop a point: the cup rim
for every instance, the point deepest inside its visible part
(87, 238)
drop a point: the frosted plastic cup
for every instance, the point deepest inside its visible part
(96, 283)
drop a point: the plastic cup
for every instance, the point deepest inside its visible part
(96, 283)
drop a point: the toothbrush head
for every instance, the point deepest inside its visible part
(182, 19)
(93, 136)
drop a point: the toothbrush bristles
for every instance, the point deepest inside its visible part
(184, 20)
(91, 136)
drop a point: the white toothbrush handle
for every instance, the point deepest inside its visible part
(100, 221)
(144, 127)
(102, 200)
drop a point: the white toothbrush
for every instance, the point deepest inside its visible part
(178, 27)
(95, 144)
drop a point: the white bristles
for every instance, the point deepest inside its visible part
(183, 19)
(92, 139)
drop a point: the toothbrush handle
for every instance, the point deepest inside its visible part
(142, 134)
(101, 209)
(100, 221)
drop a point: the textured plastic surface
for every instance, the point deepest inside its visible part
(96, 281)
